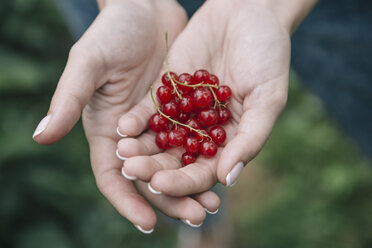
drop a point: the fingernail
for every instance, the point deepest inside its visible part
(232, 177)
(153, 190)
(42, 126)
(209, 212)
(120, 134)
(187, 222)
(144, 231)
(126, 176)
(120, 157)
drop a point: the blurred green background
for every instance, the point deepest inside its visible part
(310, 187)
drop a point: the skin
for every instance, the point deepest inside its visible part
(108, 71)
(247, 45)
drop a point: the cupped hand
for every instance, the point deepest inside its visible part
(248, 48)
(108, 71)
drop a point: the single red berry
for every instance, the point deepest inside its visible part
(194, 123)
(185, 131)
(213, 80)
(200, 137)
(224, 115)
(185, 78)
(161, 140)
(208, 117)
(188, 158)
(202, 97)
(191, 145)
(183, 117)
(208, 148)
(164, 94)
(201, 76)
(176, 138)
(218, 135)
(158, 123)
(166, 81)
(186, 104)
(171, 109)
(223, 93)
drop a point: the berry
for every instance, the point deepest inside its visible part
(200, 137)
(183, 117)
(176, 137)
(208, 148)
(166, 81)
(201, 76)
(171, 109)
(186, 104)
(158, 123)
(208, 117)
(161, 140)
(185, 78)
(187, 159)
(218, 135)
(164, 94)
(202, 97)
(185, 131)
(224, 115)
(213, 80)
(223, 93)
(192, 145)
(194, 123)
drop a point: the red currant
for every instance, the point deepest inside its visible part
(176, 137)
(223, 93)
(208, 148)
(158, 123)
(164, 94)
(208, 117)
(185, 131)
(186, 104)
(202, 97)
(161, 140)
(188, 158)
(200, 137)
(191, 145)
(194, 123)
(185, 78)
(217, 134)
(183, 117)
(171, 109)
(224, 115)
(201, 76)
(213, 80)
(166, 81)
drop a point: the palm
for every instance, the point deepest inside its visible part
(251, 55)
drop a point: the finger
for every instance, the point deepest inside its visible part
(193, 178)
(75, 87)
(144, 167)
(184, 208)
(143, 145)
(254, 129)
(119, 191)
(209, 200)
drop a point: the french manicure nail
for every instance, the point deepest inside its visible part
(144, 231)
(209, 212)
(120, 157)
(153, 190)
(232, 177)
(120, 134)
(42, 126)
(126, 176)
(187, 222)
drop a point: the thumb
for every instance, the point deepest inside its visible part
(75, 88)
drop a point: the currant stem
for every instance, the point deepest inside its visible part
(174, 121)
(167, 67)
(197, 85)
(216, 101)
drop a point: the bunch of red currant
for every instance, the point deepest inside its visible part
(192, 108)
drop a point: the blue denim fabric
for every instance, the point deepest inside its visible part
(331, 51)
